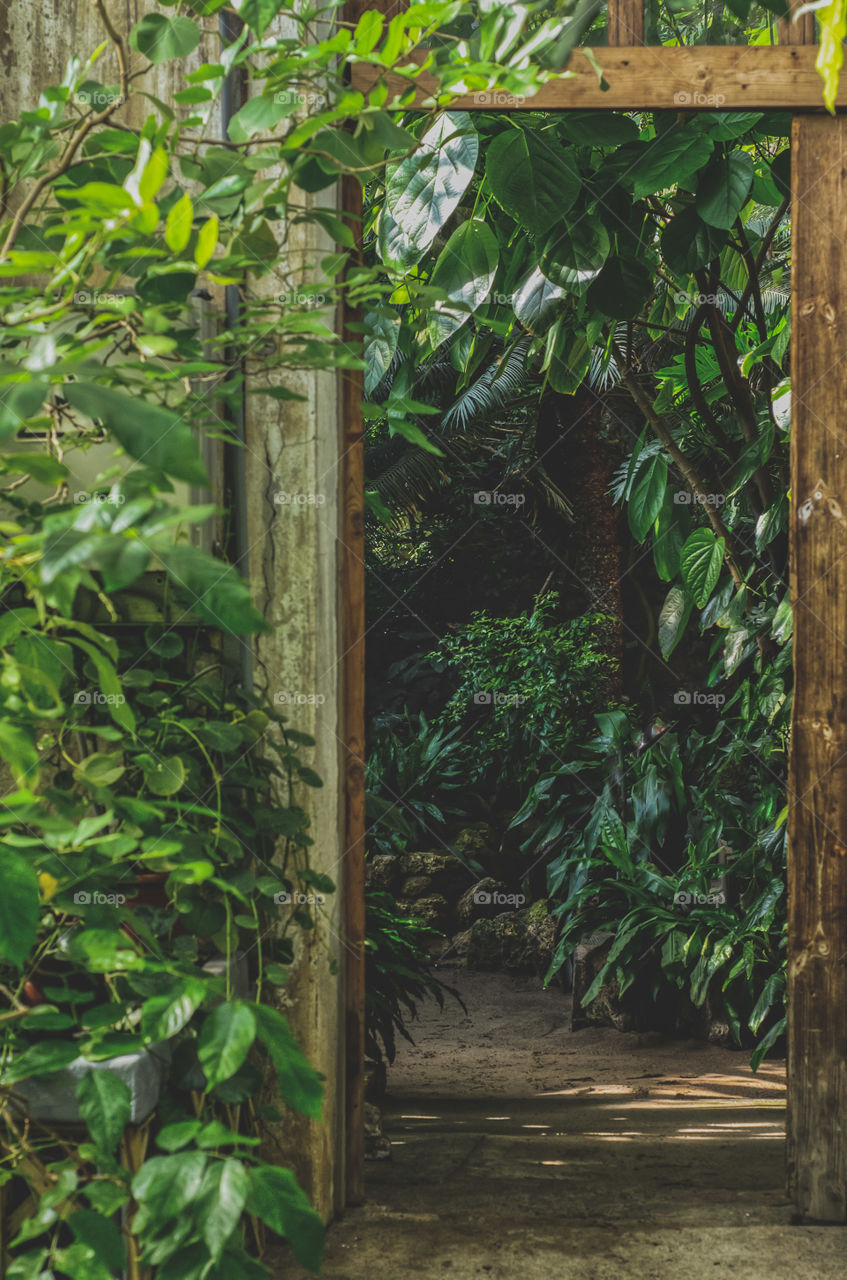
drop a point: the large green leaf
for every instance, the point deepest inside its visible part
(225, 1040)
(19, 908)
(397, 251)
(165, 1185)
(700, 562)
(536, 300)
(465, 272)
(110, 685)
(165, 1015)
(17, 750)
(723, 189)
(622, 288)
(423, 190)
(259, 13)
(533, 179)
(260, 115)
(164, 775)
(222, 1198)
(158, 437)
(19, 401)
(41, 1060)
(673, 618)
(276, 1198)
(103, 1237)
(382, 329)
(105, 1104)
(214, 591)
(689, 243)
(724, 126)
(573, 256)
(160, 38)
(669, 534)
(668, 160)
(597, 128)
(300, 1085)
(647, 496)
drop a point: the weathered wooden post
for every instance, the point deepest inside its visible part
(817, 861)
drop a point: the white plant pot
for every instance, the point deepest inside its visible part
(53, 1098)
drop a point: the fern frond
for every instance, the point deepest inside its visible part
(495, 387)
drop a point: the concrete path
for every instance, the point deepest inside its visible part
(523, 1151)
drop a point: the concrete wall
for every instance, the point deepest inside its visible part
(293, 526)
(293, 562)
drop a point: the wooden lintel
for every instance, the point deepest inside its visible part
(654, 78)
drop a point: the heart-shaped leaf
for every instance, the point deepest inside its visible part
(700, 562)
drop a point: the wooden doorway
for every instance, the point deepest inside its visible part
(639, 77)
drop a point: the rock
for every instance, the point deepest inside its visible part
(382, 872)
(416, 886)
(377, 1146)
(478, 842)
(588, 959)
(433, 910)
(436, 947)
(515, 942)
(446, 873)
(458, 949)
(484, 900)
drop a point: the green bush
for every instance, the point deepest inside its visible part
(528, 686)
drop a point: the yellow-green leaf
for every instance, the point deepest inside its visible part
(155, 172)
(179, 223)
(833, 27)
(206, 241)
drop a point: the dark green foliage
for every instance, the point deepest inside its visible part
(398, 974)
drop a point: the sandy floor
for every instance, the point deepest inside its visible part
(522, 1151)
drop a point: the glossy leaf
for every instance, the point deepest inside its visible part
(532, 177)
(105, 1104)
(700, 561)
(423, 190)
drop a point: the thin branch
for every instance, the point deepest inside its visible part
(662, 432)
(760, 257)
(752, 279)
(74, 143)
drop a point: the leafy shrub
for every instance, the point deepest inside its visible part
(527, 688)
(134, 866)
(417, 781)
(677, 847)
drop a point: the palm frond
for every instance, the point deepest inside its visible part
(409, 481)
(552, 495)
(495, 387)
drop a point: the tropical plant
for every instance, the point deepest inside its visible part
(527, 688)
(398, 974)
(417, 781)
(644, 256)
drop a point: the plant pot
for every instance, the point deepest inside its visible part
(53, 1098)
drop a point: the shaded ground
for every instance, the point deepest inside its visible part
(522, 1151)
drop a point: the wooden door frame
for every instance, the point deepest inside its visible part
(726, 78)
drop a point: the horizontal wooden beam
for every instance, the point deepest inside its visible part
(655, 78)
